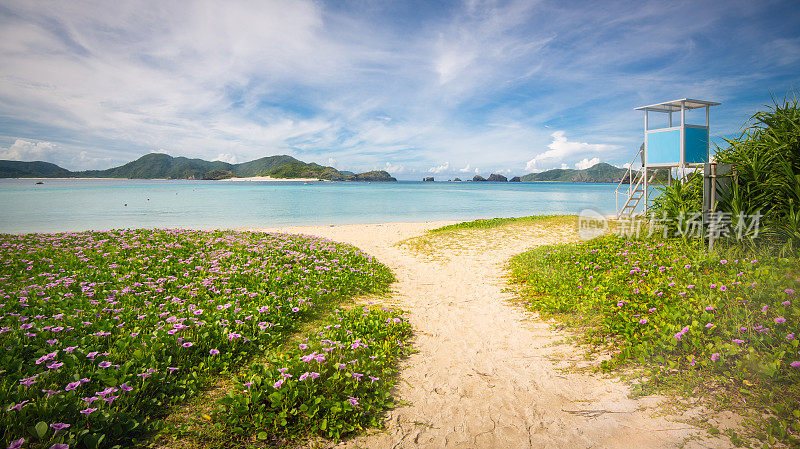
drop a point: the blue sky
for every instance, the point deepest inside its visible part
(416, 88)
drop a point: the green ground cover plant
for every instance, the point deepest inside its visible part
(725, 321)
(103, 331)
(490, 223)
(337, 381)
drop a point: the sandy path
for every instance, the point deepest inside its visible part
(486, 374)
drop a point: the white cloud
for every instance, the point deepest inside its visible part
(70, 158)
(394, 168)
(564, 166)
(466, 169)
(28, 150)
(561, 150)
(440, 168)
(586, 163)
(226, 157)
(626, 165)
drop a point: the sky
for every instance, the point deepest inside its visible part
(445, 89)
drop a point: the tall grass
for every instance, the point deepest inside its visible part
(766, 181)
(767, 159)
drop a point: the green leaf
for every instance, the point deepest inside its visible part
(41, 429)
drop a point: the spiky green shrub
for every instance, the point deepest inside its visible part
(679, 201)
(767, 174)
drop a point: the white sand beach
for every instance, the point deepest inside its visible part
(488, 373)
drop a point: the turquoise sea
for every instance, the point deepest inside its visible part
(102, 204)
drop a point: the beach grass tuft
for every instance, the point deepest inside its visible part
(491, 223)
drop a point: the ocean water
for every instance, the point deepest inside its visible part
(102, 204)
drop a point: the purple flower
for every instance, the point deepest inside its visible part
(89, 400)
(17, 407)
(303, 346)
(105, 364)
(49, 392)
(54, 365)
(723, 288)
(795, 364)
(125, 387)
(723, 261)
(28, 381)
(213, 351)
(278, 383)
(713, 285)
(353, 401)
(789, 291)
(715, 356)
(780, 320)
(59, 426)
(690, 286)
(710, 325)
(16, 444)
(72, 385)
(738, 341)
(786, 303)
(88, 411)
(643, 321)
(303, 376)
(764, 309)
(60, 446)
(188, 344)
(790, 336)
(710, 308)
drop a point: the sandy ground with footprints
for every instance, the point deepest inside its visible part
(488, 374)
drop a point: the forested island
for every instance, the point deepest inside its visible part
(164, 166)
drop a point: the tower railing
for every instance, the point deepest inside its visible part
(633, 193)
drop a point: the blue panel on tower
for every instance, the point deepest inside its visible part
(696, 145)
(664, 147)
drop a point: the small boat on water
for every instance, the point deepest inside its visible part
(39, 182)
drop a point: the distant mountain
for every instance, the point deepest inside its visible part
(158, 165)
(261, 166)
(601, 172)
(36, 169)
(164, 166)
(373, 176)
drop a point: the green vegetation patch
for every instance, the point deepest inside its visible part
(103, 331)
(335, 382)
(730, 322)
(491, 223)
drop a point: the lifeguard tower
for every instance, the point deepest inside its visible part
(678, 147)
